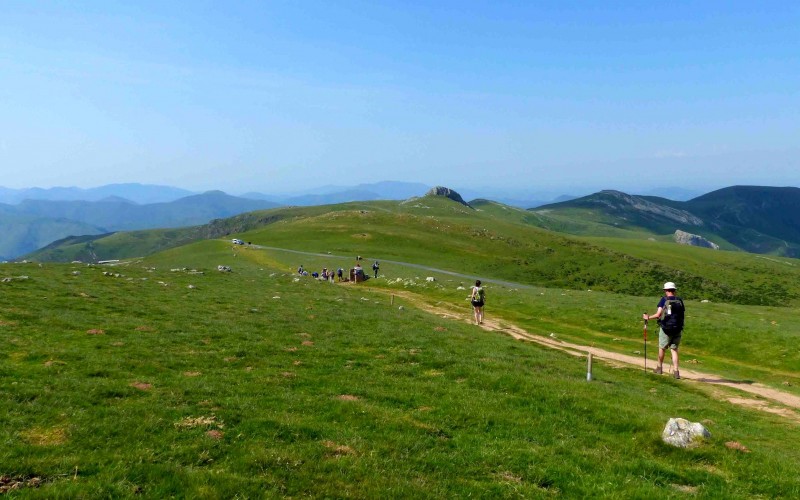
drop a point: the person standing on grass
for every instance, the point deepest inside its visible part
(478, 299)
(375, 268)
(670, 315)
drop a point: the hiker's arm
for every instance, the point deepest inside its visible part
(655, 316)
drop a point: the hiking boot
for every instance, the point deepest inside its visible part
(677, 374)
(657, 370)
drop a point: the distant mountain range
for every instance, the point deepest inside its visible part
(137, 193)
(751, 218)
(33, 224)
(326, 195)
(756, 219)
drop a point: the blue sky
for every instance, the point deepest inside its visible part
(517, 96)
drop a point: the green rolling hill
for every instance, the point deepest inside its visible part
(490, 239)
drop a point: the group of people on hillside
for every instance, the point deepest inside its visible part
(325, 275)
(329, 274)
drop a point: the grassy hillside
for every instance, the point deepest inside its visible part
(491, 241)
(126, 381)
(758, 219)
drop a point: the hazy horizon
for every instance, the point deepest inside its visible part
(275, 97)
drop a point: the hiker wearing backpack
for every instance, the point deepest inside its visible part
(670, 315)
(478, 298)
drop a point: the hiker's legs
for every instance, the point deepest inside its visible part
(480, 315)
(674, 358)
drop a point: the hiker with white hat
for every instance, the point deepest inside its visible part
(670, 315)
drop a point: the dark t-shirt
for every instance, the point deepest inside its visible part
(663, 301)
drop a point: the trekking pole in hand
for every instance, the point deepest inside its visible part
(645, 345)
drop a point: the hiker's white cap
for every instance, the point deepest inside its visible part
(670, 286)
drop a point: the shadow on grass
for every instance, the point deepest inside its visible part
(726, 381)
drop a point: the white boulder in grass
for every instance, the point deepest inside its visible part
(684, 434)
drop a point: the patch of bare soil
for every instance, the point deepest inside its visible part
(786, 399)
(735, 445)
(338, 450)
(348, 397)
(215, 434)
(45, 436)
(142, 386)
(96, 331)
(685, 488)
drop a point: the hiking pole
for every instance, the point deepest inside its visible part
(645, 345)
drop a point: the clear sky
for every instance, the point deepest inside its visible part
(282, 95)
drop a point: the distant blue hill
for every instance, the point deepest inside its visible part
(33, 224)
(137, 193)
(327, 195)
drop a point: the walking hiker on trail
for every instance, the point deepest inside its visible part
(375, 268)
(670, 315)
(478, 298)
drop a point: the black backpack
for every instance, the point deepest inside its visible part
(672, 318)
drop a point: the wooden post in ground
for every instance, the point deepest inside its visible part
(392, 303)
(589, 369)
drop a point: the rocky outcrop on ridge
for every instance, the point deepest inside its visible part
(684, 238)
(447, 193)
(617, 199)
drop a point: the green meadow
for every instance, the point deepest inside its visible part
(163, 377)
(148, 379)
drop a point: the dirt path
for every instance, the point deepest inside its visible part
(716, 385)
(789, 402)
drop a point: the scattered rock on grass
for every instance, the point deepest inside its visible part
(684, 434)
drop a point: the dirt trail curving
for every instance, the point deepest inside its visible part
(790, 402)
(718, 386)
